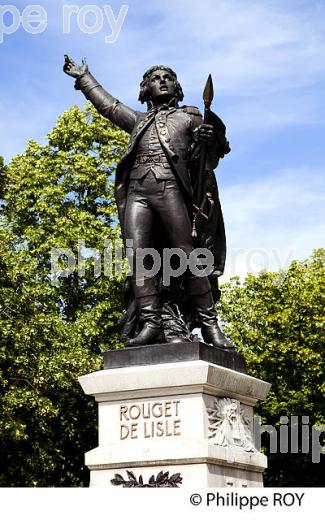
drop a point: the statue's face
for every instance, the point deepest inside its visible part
(161, 84)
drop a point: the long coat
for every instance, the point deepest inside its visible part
(175, 128)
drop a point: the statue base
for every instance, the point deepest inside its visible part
(180, 421)
(173, 353)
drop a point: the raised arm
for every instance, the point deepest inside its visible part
(105, 103)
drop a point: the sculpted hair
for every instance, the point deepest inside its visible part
(144, 95)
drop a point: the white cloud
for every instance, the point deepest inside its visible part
(265, 57)
(249, 46)
(252, 45)
(267, 61)
(273, 220)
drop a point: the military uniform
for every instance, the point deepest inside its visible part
(153, 179)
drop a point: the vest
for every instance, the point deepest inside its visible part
(149, 146)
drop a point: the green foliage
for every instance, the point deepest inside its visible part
(277, 321)
(51, 333)
(2, 176)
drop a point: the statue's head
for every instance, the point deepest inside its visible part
(160, 82)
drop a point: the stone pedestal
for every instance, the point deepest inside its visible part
(193, 418)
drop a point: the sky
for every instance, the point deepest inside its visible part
(267, 60)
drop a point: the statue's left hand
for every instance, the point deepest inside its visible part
(205, 134)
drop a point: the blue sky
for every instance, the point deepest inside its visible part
(267, 59)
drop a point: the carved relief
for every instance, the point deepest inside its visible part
(230, 425)
(161, 480)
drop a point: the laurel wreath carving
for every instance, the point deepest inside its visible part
(174, 325)
(161, 480)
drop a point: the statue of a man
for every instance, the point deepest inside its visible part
(155, 190)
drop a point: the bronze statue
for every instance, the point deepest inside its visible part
(167, 196)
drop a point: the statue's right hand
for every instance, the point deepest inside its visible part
(74, 70)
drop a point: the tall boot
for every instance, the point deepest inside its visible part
(207, 317)
(206, 314)
(148, 302)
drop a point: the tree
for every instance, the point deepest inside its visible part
(53, 329)
(276, 320)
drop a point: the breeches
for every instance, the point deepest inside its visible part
(150, 200)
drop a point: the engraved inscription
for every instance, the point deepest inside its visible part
(150, 419)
